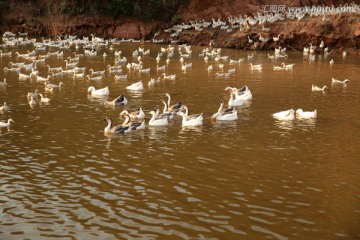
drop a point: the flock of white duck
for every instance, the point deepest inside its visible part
(27, 69)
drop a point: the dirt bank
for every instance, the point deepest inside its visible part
(339, 32)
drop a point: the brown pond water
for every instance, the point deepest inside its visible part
(256, 178)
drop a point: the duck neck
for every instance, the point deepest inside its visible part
(108, 127)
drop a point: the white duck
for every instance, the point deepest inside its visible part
(318, 89)
(120, 100)
(336, 81)
(4, 108)
(32, 101)
(235, 100)
(287, 115)
(138, 114)
(175, 108)
(116, 129)
(229, 114)
(255, 67)
(300, 114)
(7, 124)
(138, 86)
(157, 122)
(287, 66)
(99, 92)
(44, 99)
(133, 125)
(51, 86)
(191, 121)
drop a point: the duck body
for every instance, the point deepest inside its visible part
(139, 114)
(120, 100)
(300, 114)
(287, 115)
(138, 86)
(318, 89)
(7, 124)
(116, 129)
(99, 92)
(157, 122)
(228, 114)
(191, 121)
(235, 100)
(336, 81)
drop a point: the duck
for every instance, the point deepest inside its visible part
(235, 100)
(192, 120)
(42, 79)
(51, 86)
(109, 129)
(120, 100)
(94, 78)
(153, 81)
(7, 124)
(157, 122)
(243, 92)
(331, 62)
(44, 99)
(175, 107)
(166, 112)
(99, 92)
(335, 81)
(120, 77)
(287, 66)
(228, 114)
(171, 77)
(138, 114)
(32, 101)
(318, 89)
(138, 86)
(255, 67)
(300, 114)
(287, 115)
(133, 125)
(277, 68)
(4, 83)
(4, 108)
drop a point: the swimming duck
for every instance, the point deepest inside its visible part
(287, 66)
(228, 114)
(120, 77)
(138, 114)
(175, 108)
(188, 121)
(133, 125)
(306, 115)
(335, 81)
(116, 129)
(120, 100)
(32, 101)
(44, 99)
(99, 92)
(331, 62)
(317, 89)
(4, 108)
(235, 100)
(157, 122)
(3, 84)
(171, 77)
(255, 67)
(50, 86)
(6, 124)
(138, 86)
(285, 115)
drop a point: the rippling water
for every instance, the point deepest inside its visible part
(256, 178)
